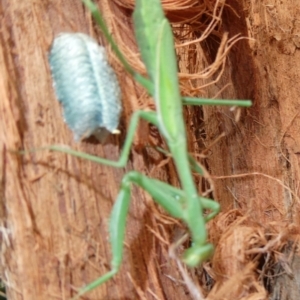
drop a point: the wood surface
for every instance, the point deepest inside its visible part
(55, 208)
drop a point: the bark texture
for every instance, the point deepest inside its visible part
(55, 208)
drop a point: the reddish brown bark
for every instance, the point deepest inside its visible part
(55, 208)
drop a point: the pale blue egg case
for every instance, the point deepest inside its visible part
(86, 85)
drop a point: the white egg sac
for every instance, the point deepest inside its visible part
(86, 85)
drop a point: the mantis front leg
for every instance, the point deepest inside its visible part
(170, 198)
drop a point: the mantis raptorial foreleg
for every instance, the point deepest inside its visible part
(156, 44)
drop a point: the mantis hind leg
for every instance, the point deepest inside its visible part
(119, 213)
(170, 198)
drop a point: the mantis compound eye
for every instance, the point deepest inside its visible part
(86, 85)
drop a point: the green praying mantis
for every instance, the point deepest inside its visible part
(156, 43)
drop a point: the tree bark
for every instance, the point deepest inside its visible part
(55, 208)
(256, 164)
